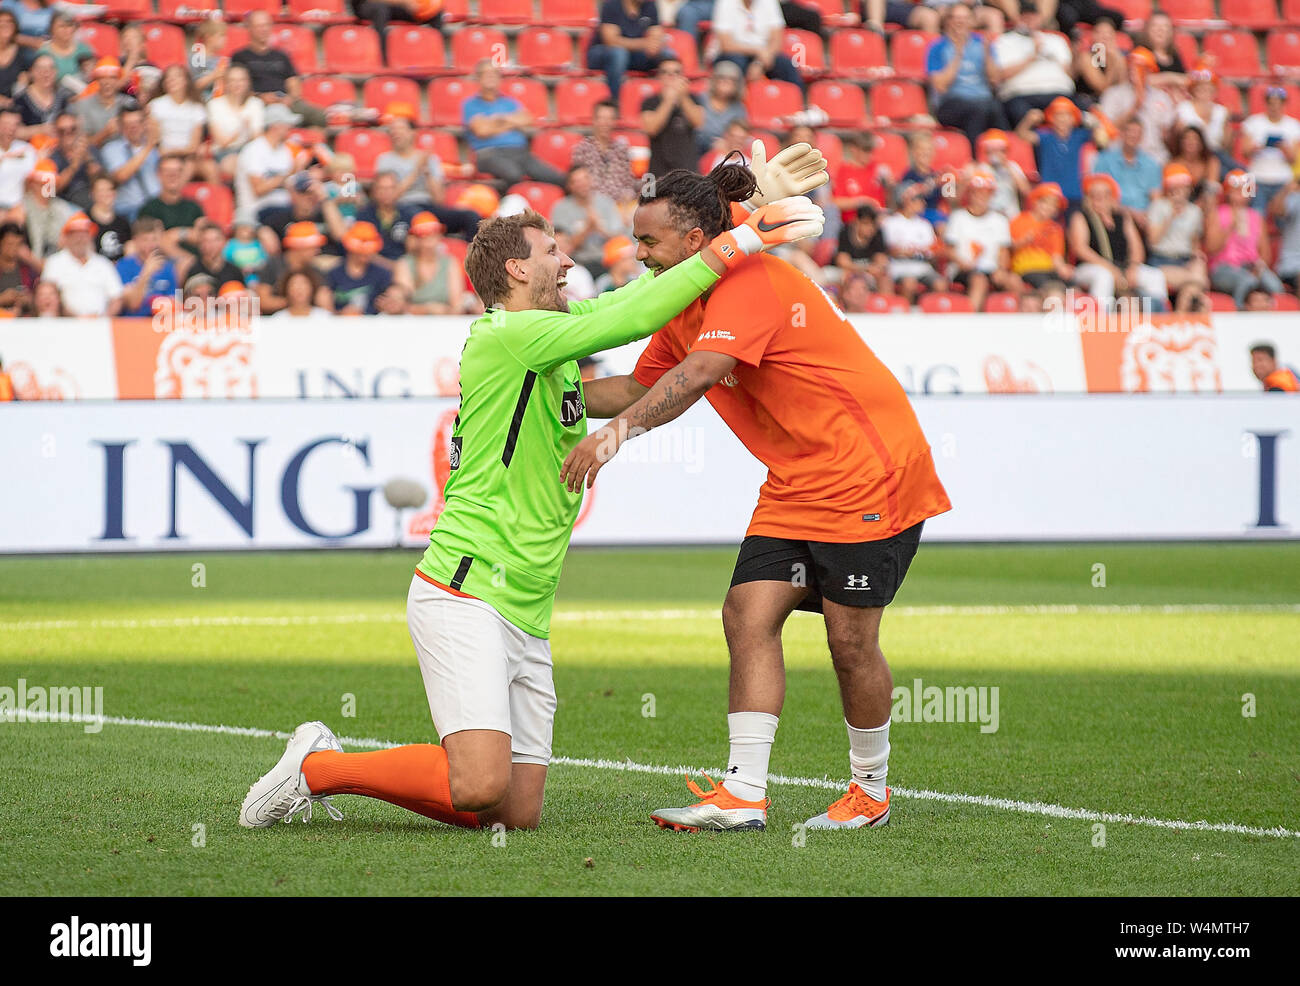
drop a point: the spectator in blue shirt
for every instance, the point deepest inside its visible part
(1139, 174)
(628, 38)
(146, 272)
(132, 162)
(33, 18)
(1058, 145)
(959, 65)
(495, 132)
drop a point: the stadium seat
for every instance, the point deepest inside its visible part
(446, 97)
(684, 46)
(1187, 47)
(907, 51)
(541, 196)
(1258, 93)
(1229, 97)
(238, 10)
(806, 51)
(832, 11)
(951, 150)
(891, 151)
(1001, 303)
(1256, 15)
(102, 38)
(455, 11)
(832, 149)
(216, 200)
(383, 90)
(860, 54)
(568, 13)
(768, 100)
(506, 12)
(441, 144)
(1134, 10)
(1236, 54)
(1220, 302)
(127, 10)
(1286, 303)
(945, 303)
(188, 11)
(545, 50)
(470, 44)
(531, 95)
(236, 38)
(299, 43)
(897, 101)
(1282, 51)
(415, 49)
(1189, 12)
(630, 97)
(575, 99)
(319, 12)
(1291, 11)
(365, 146)
(164, 44)
(844, 102)
(887, 304)
(555, 147)
(328, 90)
(353, 49)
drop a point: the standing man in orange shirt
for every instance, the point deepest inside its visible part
(850, 482)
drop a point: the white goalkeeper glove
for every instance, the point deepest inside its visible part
(782, 221)
(796, 170)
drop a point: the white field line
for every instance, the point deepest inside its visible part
(822, 783)
(593, 615)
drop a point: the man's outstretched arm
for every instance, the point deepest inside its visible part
(609, 396)
(672, 394)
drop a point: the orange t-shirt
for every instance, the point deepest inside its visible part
(846, 457)
(1036, 244)
(1283, 380)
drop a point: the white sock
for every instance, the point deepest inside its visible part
(752, 734)
(869, 758)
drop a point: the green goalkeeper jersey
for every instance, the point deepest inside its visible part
(503, 532)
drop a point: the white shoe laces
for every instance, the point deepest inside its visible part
(303, 805)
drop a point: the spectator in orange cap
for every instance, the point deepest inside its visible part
(46, 212)
(419, 173)
(300, 247)
(621, 265)
(102, 103)
(1038, 239)
(1013, 186)
(1203, 110)
(88, 283)
(359, 286)
(1174, 228)
(1139, 99)
(1109, 248)
(980, 241)
(1059, 146)
(431, 278)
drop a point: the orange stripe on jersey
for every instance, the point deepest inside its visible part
(444, 588)
(847, 460)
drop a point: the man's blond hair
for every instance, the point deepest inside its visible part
(497, 241)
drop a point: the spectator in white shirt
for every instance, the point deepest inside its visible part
(17, 159)
(1035, 66)
(981, 241)
(234, 118)
(88, 282)
(179, 112)
(265, 166)
(751, 33)
(1271, 141)
(1139, 99)
(909, 238)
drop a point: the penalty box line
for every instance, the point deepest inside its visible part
(1041, 808)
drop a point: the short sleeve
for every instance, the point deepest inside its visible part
(934, 60)
(657, 360)
(743, 313)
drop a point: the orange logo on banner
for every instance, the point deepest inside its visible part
(188, 361)
(61, 386)
(1000, 378)
(1162, 353)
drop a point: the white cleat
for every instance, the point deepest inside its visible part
(282, 792)
(853, 811)
(718, 810)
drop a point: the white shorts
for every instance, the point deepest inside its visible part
(481, 671)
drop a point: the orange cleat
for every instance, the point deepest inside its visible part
(718, 810)
(855, 810)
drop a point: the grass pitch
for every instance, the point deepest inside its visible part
(1124, 700)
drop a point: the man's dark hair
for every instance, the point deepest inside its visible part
(702, 200)
(607, 104)
(12, 229)
(1264, 347)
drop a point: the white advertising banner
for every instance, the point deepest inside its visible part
(293, 474)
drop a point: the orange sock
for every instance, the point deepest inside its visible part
(412, 777)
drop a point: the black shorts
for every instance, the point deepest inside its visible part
(865, 573)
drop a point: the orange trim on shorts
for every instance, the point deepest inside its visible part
(444, 588)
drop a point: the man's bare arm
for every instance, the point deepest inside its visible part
(610, 396)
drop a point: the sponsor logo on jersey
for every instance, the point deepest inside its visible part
(722, 334)
(453, 452)
(571, 408)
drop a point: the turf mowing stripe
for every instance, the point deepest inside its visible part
(585, 615)
(982, 800)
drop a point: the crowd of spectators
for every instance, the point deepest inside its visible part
(1061, 148)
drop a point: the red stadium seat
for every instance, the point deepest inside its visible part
(1286, 303)
(907, 51)
(1188, 49)
(631, 96)
(897, 101)
(530, 93)
(102, 38)
(446, 97)
(1291, 11)
(319, 12)
(887, 304)
(685, 48)
(236, 38)
(844, 102)
(365, 146)
(415, 49)
(1185, 12)
(1002, 303)
(951, 150)
(806, 51)
(859, 53)
(455, 11)
(1236, 55)
(353, 49)
(555, 147)
(545, 50)
(1022, 152)
(506, 12)
(381, 91)
(299, 43)
(440, 144)
(832, 11)
(768, 100)
(188, 11)
(216, 200)
(471, 44)
(891, 151)
(127, 10)
(575, 99)
(945, 303)
(568, 13)
(832, 149)
(1257, 15)
(1134, 10)
(164, 44)
(1220, 302)
(1229, 97)
(327, 90)
(238, 10)
(1282, 51)
(1258, 93)
(541, 196)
